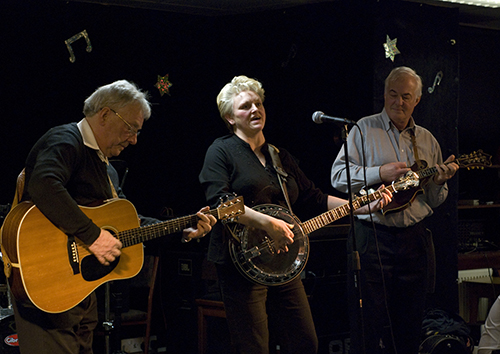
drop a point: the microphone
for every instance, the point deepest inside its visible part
(319, 117)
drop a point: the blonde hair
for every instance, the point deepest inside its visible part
(238, 84)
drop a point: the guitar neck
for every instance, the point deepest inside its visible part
(146, 233)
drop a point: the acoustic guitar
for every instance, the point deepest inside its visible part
(56, 272)
(400, 201)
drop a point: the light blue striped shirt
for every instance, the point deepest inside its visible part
(383, 143)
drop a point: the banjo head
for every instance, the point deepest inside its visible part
(256, 258)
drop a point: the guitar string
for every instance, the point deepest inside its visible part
(130, 237)
(433, 170)
(333, 214)
(137, 235)
(341, 211)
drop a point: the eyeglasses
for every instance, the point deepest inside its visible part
(131, 130)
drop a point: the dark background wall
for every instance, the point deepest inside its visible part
(309, 58)
(326, 56)
(199, 53)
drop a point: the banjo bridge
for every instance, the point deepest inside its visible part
(251, 253)
(256, 251)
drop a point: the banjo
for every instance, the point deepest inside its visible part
(253, 251)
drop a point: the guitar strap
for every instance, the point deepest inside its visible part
(7, 267)
(113, 190)
(8, 264)
(282, 175)
(420, 163)
(415, 150)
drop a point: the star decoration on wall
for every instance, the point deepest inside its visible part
(390, 48)
(163, 85)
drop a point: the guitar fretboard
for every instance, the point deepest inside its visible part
(146, 233)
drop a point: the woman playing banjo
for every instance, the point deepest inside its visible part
(260, 315)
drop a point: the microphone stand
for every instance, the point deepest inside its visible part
(118, 297)
(356, 264)
(112, 340)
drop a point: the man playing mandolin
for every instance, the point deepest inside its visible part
(68, 167)
(398, 240)
(244, 163)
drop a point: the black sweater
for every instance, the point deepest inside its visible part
(62, 173)
(231, 166)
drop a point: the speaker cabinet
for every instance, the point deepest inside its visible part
(181, 283)
(325, 281)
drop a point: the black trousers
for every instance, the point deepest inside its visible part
(391, 285)
(69, 332)
(260, 317)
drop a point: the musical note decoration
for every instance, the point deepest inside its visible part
(390, 48)
(163, 85)
(76, 37)
(437, 81)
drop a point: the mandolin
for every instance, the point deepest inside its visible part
(402, 199)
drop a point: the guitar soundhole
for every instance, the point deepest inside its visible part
(93, 270)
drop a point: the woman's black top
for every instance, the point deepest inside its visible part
(232, 167)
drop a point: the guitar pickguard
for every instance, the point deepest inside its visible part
(93, 270)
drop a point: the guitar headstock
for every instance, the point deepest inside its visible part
(231, 209)
(476, 159)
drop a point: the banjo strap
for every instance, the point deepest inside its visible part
(282, 175)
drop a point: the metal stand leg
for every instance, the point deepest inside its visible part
(111, 327)
(9, 310)
(108, 322)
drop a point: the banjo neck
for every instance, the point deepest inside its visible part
(343, 210)
(253, 252)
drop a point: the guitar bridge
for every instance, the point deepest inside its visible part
(74, 257)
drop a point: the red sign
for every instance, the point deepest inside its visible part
(12, 340)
